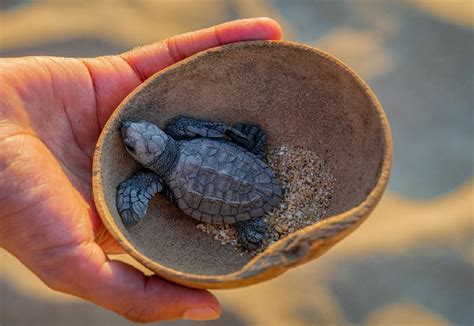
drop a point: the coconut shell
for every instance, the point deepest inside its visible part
(301, 97)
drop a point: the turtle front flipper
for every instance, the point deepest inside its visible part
(247, 135)
(255, 139)
(134, 194)
(183, 127)
(251, 233)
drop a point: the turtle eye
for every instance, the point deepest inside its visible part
(130, 148)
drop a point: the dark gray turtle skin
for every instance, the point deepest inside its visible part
(213, 172)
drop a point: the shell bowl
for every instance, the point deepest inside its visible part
(302, 97)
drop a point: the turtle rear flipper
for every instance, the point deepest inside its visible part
(251, 233)
(134, 194)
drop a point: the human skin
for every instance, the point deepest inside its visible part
(51, 113)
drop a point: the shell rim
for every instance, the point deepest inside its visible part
(250, 273)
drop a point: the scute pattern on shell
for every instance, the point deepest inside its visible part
(219, 182)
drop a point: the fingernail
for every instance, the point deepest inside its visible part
(202, 313)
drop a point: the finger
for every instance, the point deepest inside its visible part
(114, 77)
(108, 243)
(149, 59)
(127, 291)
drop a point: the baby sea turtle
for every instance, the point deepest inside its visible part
(213, 172)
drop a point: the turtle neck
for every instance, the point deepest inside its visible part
(166, 161)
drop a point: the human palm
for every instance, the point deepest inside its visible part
(51, 113)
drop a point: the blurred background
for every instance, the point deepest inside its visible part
(412, 262)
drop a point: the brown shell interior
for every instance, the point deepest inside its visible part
(300, 97)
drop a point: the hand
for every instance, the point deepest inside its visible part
(51, 113)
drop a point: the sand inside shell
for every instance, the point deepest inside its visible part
(307, 186)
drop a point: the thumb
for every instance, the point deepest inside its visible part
(121, 288)
(114, 77)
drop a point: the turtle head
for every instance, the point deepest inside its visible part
(144, 141)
